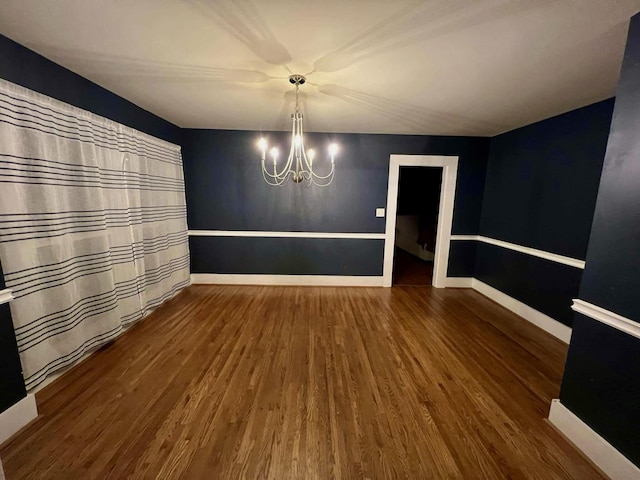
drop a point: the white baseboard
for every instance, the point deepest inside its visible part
(539, 319)
(17, 417)
(596, 448)
(299, 280)
(459, 282)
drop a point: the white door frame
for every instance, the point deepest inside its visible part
(449, 167)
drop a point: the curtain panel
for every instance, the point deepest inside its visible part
(93, 231)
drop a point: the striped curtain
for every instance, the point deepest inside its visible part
(93, 230)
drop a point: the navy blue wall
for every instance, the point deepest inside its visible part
(540, 192)
(542, 181)
(601, 383)
(612, 277)
(286, 256)
(542, 284)
(24, 67)
(225, 191)
(462, 258)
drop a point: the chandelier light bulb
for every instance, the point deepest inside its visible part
(274, 154)
(333, 149)
(262, 144)
(298, 140)
(311, 154)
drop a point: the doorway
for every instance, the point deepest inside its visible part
(416, 225)
(448, 169)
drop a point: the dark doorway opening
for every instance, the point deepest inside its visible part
(416, 225)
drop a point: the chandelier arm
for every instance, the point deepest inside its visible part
(276, 180)
(273, 184)
(270, 179)
(305, 163)
(278, 175)
(309, 166)
(292, 149)
(287, 167)
(318, 184)
(272, 176)
(265, 171)
(309, 179)
(299, 148)
(277, 183)
(323, 177)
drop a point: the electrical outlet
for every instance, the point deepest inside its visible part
(379, 212)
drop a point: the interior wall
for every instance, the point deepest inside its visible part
(540, 192)
(25, 67)
(601, 383)
(226, 191)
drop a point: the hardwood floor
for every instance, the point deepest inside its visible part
(409, 270)
(229, 382)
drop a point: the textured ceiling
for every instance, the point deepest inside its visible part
(457, 67)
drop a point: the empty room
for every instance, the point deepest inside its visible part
(320, 240)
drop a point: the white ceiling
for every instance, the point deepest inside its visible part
(456, 67)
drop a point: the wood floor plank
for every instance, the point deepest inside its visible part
(232, 382)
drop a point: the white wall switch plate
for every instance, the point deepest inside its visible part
(379, 212)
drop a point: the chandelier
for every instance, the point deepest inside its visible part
(299, 164)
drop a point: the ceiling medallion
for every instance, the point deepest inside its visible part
(299, 164)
